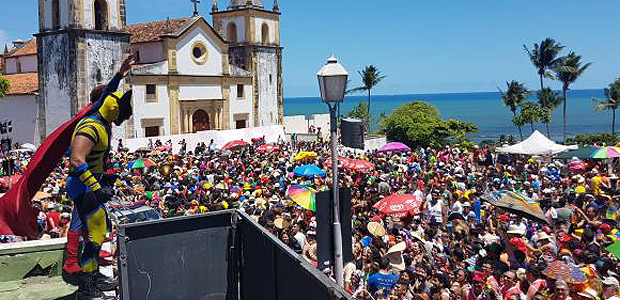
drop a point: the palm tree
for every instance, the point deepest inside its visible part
(567, 70)
(548, 100)
(515, 95)
(371, 77)
(611, 102)
(544, 57)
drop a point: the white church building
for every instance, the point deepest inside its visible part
(191, 76)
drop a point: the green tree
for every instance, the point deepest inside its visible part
(359, 112)
(4, 86)
(544, 57)
(611, 102)
(418, 123)
(568, 69)
(515, 95)
(548, 100)
(371, 77)
(530, 113)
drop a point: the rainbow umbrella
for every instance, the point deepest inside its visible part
(141, 163)
(568, 272)
(304, 196)
(606, 152)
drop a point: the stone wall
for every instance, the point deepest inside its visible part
(57, 80)
(267, 79)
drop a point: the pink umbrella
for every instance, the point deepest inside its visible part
(352, 164)
(394, 147)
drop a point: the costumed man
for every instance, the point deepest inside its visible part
(90, 146)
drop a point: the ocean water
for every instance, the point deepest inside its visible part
(483, 109)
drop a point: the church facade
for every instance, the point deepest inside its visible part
(190, 75)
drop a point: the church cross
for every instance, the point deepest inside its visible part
(196, 7)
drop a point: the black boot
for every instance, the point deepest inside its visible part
(103, 282)
(87, 289)
(71, 278)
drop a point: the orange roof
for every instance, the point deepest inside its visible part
(23, 84)
(29, 48)
(152, 31)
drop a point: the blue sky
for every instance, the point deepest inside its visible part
(422, 46)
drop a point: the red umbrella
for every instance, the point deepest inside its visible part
(266, 148)
(400, 205)
(235, 145)
(341, 162)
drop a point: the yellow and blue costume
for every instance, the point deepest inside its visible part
(84, 183)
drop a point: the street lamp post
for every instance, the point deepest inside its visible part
(333, 84)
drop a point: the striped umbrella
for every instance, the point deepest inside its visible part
(516, 203)
(606, 152)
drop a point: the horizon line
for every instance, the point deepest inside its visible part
(448, 93)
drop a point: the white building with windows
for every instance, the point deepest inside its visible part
(191, 76)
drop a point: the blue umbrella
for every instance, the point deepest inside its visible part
(308, 171)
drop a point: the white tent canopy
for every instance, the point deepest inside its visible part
(536, 144)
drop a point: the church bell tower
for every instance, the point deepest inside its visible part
(253, 35)
(81, 43)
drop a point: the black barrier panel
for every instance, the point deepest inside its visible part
(270, 270)
(215, 256)
(182, 258)
(324, 217)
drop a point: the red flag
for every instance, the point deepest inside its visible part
(17, 216)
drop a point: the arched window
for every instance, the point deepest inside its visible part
(55, 14)
(265, 34)
(101, 15)
(232, 33)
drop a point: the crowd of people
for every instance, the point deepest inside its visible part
(456, 245)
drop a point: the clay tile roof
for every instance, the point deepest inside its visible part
(29, 48)
(23, 84)
(152, 31)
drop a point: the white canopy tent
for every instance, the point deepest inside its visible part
(536, 144)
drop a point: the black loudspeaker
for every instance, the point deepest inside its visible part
(5, 144)
(352, 131)
(324, 227)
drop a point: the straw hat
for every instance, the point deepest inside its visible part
(395, 256)
(543, 236)
(418, 235)
(589, 293)
(281, 223)
(514, 229)
(398, 248)
(376, 229)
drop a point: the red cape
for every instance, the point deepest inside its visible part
(17, 216)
